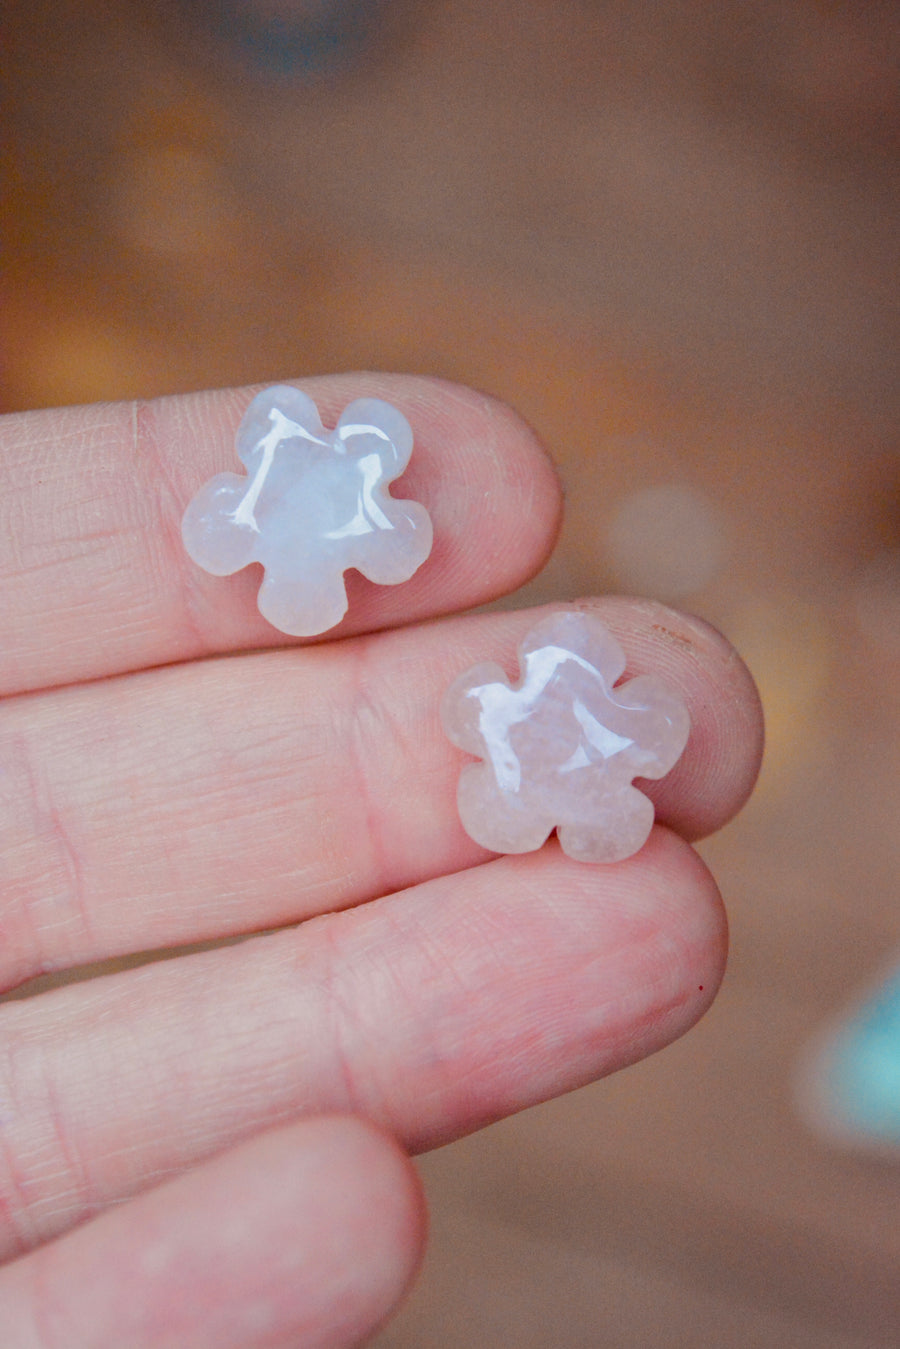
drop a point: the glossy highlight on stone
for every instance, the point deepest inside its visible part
(559, 749)
(313, 504)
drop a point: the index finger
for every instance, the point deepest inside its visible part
(94, 579)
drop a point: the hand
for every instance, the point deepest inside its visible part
(226, 1119)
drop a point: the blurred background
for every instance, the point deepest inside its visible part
(667, 235)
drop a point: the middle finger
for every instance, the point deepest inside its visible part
(211, 799)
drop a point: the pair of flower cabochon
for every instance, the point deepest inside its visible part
(557, 750)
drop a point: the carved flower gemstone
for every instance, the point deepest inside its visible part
(313, 504)
(560, 748)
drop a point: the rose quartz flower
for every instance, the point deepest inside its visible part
(314, 503)
(559, 749)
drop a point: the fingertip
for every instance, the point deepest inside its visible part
(714, 781)
(662, 910)
(486, 480)
(308, 1235)
(719, 766)
(359, 1225)
(476, 459)
(389, 1186)
(498, 512)
(545, 973)
(718, 770)
(696, 921)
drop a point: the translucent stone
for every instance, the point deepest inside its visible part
(313, 504)
(559, 749)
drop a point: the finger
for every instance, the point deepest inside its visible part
(227, 796)
(94, 578)
(432, 1012)
(304, 1238)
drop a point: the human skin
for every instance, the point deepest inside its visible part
(213, 1151)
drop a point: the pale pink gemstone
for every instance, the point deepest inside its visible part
(314, 503)
(560, 748)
